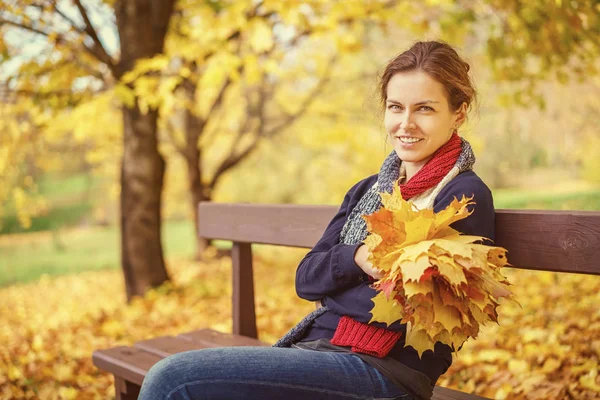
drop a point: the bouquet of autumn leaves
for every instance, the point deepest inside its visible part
(435, 280)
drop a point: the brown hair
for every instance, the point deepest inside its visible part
(441, 62)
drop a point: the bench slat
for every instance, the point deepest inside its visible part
(212, 338)
(132, 363)
(562, 241)
(129, 363)
(278, 224)
(166, 345)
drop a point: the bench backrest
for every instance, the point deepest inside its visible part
(560, 241)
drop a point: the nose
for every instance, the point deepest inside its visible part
(406, 122)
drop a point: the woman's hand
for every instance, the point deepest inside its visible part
(360, 258)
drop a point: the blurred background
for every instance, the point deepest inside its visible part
(118, 117)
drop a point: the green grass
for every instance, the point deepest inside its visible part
(587, 200)
(71, 251)
(70, 199)
(56, 218)
(57, 188)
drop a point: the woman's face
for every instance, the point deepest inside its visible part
(418, 118)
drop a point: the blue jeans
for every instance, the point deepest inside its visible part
(266, 373)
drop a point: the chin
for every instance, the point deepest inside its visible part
(407, 156)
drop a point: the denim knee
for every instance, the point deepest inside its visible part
(160, 379)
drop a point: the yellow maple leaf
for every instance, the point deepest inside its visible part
(413, 271)
(395, 203)
(455, 248)
(456, 237)
(418, 339)
(457, 210)
(414, 251)
(417, 230)
(448, 316)
(412, 288)
(385, 309)
(449, 270)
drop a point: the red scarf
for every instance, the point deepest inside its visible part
(434, 170)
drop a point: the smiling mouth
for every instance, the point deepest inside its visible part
(408, 140)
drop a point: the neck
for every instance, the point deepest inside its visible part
(412, 168)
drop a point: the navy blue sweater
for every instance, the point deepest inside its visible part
(328, 272)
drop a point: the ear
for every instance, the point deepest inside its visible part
(461, 115)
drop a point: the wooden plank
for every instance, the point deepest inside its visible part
(561, 241)
(129, 363)
(244, 318)
(212, 338)
(125, 390)
(278, 224)
(164, 346)
(441, 393)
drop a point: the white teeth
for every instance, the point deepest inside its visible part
(409, 140)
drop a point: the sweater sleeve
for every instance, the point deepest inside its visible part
(482, 221)
(330, 267)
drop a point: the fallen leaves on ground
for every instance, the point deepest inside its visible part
(548, 349)
(48, 330)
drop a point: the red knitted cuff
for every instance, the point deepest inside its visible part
(364, 338)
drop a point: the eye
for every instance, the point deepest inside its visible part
(394, 107)
(426, 108)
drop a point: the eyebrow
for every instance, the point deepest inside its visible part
(416, 104)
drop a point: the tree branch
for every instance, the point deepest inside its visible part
(66, 18)
(53, 3)
(61, 64)
(306, 103)
(233, 159)
(170, 128)
(194, 134)
(98, 48)
(59, 39)
(219, 99)
(22, 26)
(229, 161)
(59, 93)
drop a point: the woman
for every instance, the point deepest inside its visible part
(334, 353)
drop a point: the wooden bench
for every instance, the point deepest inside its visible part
(560, 241)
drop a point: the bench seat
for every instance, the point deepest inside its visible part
(129, 365)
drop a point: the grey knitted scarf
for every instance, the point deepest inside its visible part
(355, 228)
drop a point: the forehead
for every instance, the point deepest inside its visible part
(413, 87)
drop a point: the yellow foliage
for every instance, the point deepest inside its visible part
(125, 95)
(260, 36)
(413, 247)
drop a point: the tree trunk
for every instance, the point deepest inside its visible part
(198, 194)
(142, 26)
(141, 186)
(198, 191)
